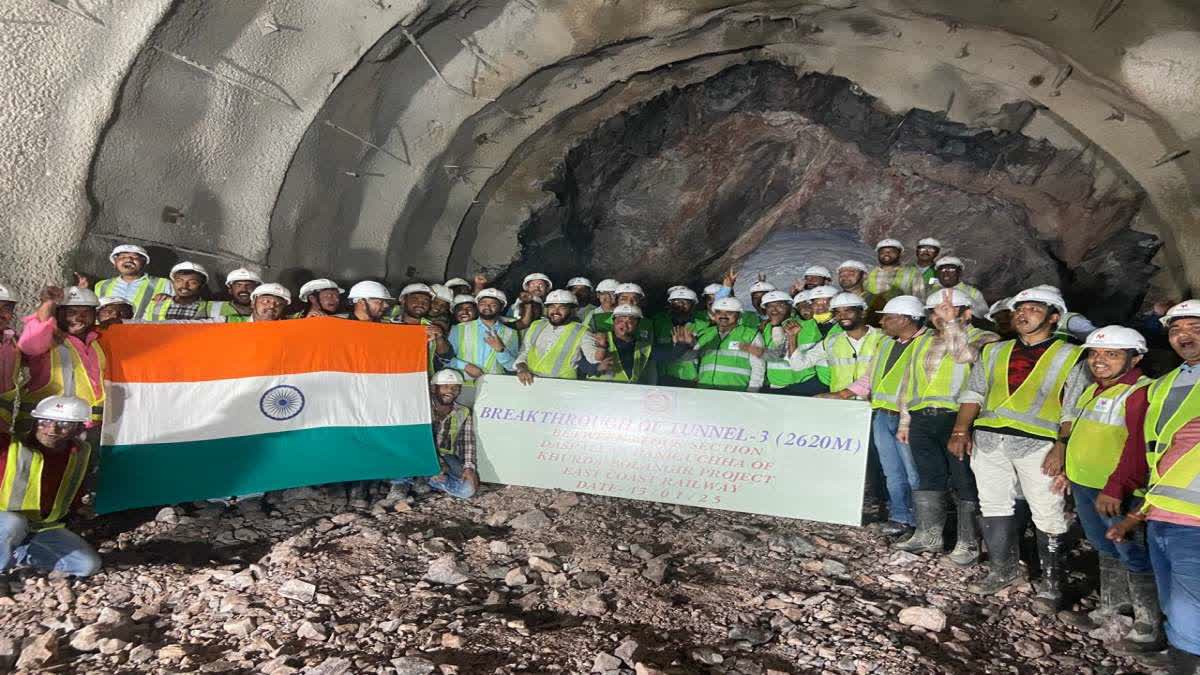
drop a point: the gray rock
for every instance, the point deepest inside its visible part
(298, 590)
(543, 565)
(727, 538)
(627, 651)
(833, 568)
(793, 543)
(530, 520)
(605, 662)
(446, 570)
(413, 665)
(656, 569)
(312, 631)
(242, 627)
(499, 547)
(167, 515)
(903, 559)
(515, 577)
(1031, 649)
(589, 580)
(707, 656)
(929, 618)
(752, 634)
(332, 666)
(87, 639)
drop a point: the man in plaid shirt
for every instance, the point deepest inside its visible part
(454, 437)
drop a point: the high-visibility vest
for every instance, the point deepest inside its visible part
(749, 319)
(68, 377)
(779, 370)
(21, 487)
(685, 368)
(206, 310)
(458, 416)
(941, 388)
(1060, 331)
(1098, 434)
(228, 310)
(10, 393)
(885, 380)
(1036, 406)
(558, 361)
(1177, 490)
(641, 357)
(846, 364)
(902, 282)
(470, 350)
(722, 367)
(147, 288)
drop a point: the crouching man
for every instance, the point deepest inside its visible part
(454, 438)
(41, 476)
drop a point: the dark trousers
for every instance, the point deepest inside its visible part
(806, 388)
(937, 469)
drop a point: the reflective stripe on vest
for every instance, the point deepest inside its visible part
(469, 347)
(942, 389)
(146, 290)
(641, 356)
(68, 377)
(457, 416)
(1035, 407)
(681, 369)
(779, 370)
(1098, 435)
(21, 489)
(885, 384)
(724, 368)
(1177, 490)
(846, 364)
(560, 356)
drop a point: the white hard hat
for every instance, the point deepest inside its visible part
(957, 298)
(441, 292)
(277, 290)
(317, 285)
(6, 294)
(79, 297)
(727, 305)
(242, 274)
(1116, 337)
(363, 290)
(629, 288)
(128, 248)
(712, 289)
(1048, 287)
(462, 299)
(847, 300)
(63, 409)
(853, 265)
(1039, 295)
(1187, 308)
(890, 243)
(822, 292)
(188, 266)
(607, 286)
(762, 287)
(627, 310)
(906, 305)
(802, 296)
(775, 296)
(457, 281)
(536, 276)
(672, 289)
(114, 300)
(948, 260)
(561, 297)
(416, 288)
(683, 293)
(930, 241)
(493, 293)
(817, 271)
(998, 306)
(446, 376)
(579, 281)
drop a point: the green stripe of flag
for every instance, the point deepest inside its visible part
(133, 476)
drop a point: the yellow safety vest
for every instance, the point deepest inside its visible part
(1036, 406)
(902, 282)
(21, 487)
(10, 394)
(1178, 490)
(558, 361)
(847, 364)
(721, 366)
(68, 377)
(470, 349)
(457, 417)
(148, 287)
(885, 382)
(1098, 435)
(941, 389)
(641, 357)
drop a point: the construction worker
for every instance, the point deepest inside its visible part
(848, 351)
(1073, 325)
(132, 282)
(818, 302)
(553, 345)
(781, 378)
(928, 250)
(816, 275)
(628, 354)
(321, 297)
(757, 290)
(439, 305)
(464, 309)
(534, 285)
(682, 310)
(113, 309)
(942, 359)
(60, 347)
(270, 302)
(802, 303)
(600, 319)
(369, 301)
(41, 474)
(891, 278)
(483, 345)
(1096, 424)
(1161, 461)
(188, 280)
(709, 296)
(239, 283)
(1000, 314)
(582, 288)
(1008, 424)
(630, 294)
(453, 436)
(851, 275)
(10, 359)
(459, 286)
(729, 352)
(415, 303)
(949, 271)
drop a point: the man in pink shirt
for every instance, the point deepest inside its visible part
(59, 345)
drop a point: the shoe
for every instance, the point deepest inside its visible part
(1000, 535)
(893, 529)
(966, 545)
(1147, 632)
(1049, 597)
(930, 508)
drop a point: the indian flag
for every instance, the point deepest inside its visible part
(196, 411)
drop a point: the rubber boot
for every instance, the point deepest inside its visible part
(1049, 597)
(1000, 535)
(966, 546)
(930, 512)
(1183, 663)
(1147, 632)
(894, 529)
(1113, 592)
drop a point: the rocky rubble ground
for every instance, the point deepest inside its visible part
(517, 580)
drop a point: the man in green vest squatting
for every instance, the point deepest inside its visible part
(1096, 423)
(928, 250)
(781, 379)
(239, 284)
(41, 476)
(454, 438)
(729, 353)
(132, 282)
(1165, 448)
(682, 310)
(484, 345)
(890, 278)
(627, 354)
(555, 343)
(1008, 423)
(188, 280)
(942, 359)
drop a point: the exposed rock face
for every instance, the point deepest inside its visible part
(695, 180)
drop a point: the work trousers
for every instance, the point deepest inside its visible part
(899, 470)
(1175, 553)
(1132, 551)
(450, 480)
(57, 550)
(1005, 464)
(810, 387)
(937, 469)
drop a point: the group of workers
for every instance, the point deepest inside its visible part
(983, 411)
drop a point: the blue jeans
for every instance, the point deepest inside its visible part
(57, 550)
(1175, 552)
(1132, 551)
(898, 466)
(449, 481)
